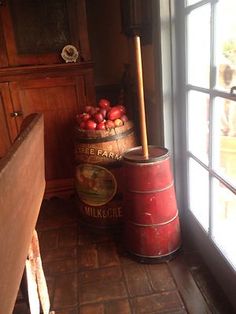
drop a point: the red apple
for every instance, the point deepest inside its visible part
(82, 125)
(85, 116)
(93, 110)
(122, 108)
(104, 103)
(118, 122)
(101, 126)
(103, 111)
(114, 113)
(90, 125)
(98, 117)
(87, 108)
(110, 124)
(124, 118)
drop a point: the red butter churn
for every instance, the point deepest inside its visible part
(151, 222)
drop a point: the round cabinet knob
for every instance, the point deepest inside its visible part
(15, 114)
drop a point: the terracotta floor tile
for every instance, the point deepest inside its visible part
(124, 256)
(50, 280)
(92, 309)
(182, 311)
(56, 213)
(49, 239)
(60, 266)
(158, 303)
(54, 222)
(87, 257)
(160, 277)
(65, 294)
(101, 292)
(59, 254)
(107, 254)
(85, 238)
(108, 274)
(21, 308)
(68, 311)
(118, 307)
(137, 279)
(68, 236)
(88, 271)
(91, 235)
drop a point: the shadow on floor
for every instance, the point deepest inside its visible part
(89, 272)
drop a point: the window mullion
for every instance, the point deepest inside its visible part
(211, 112)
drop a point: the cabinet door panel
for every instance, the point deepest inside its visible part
(36, 31)
(5, 141)
(8, 129)
(59, 100)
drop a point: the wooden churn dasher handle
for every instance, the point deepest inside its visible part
(142, 116)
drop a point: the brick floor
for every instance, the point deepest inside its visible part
(89, 272)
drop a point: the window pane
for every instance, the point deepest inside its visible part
(40, 26)
(224, 220)
(198, 124)
(198, 45)
(190, 2)
(226, 44)
(199, 193)
(224, 140)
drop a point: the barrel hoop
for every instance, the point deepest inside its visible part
(154, 225)
(153, 191)
(112, 165)
(150, 160)
(156, 256)
(147, 162)
(105, 139)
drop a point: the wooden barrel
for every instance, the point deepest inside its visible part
(151, 222)
(98, 177)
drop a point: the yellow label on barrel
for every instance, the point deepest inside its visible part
(95, 185)
(86, 150)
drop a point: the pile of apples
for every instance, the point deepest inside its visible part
(102, 117)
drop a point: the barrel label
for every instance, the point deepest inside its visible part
(95, 185)
(92, 151)
(102, 213)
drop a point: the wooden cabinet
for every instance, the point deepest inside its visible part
(36, 79)
(59, 100)
(58, 93)
(5, 121)
(36, 31)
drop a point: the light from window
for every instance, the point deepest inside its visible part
(224, 139)
(225, 44)
(198, 46)
(198, 125)
(199, 193)
(190, 2)
(211, 119)
(224, 220)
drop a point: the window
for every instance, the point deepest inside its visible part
(211, 115)
(203, 58)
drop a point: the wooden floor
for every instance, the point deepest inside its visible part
(89, 272)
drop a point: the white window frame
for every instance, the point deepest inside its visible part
(174, 89)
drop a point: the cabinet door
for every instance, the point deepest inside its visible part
(8, 128)
(36, 31)
(59, 100)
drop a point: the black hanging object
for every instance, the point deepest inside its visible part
(136, 18)
(233, 90)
